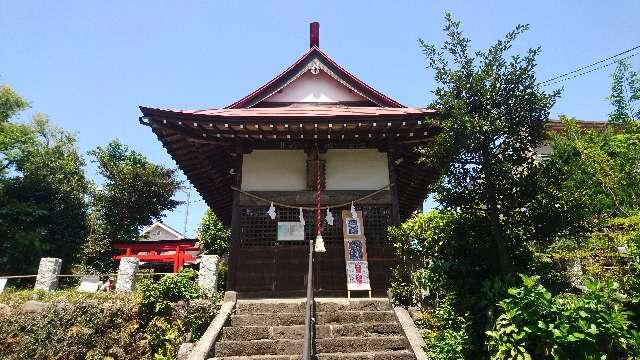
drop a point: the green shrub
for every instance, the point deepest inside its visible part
(101, 325)
(437, 255)
(221, 278)
(81, 326)
(536, 324)
(447, 333)
(214, 235)
(158, 296)
(163, 337)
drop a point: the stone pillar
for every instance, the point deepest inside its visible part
(208, 274)
(126, 281)
(48, 272)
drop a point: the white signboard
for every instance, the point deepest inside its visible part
(89, 283)
(3, 283)
(290, 231)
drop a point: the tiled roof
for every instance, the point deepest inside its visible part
(310, 111)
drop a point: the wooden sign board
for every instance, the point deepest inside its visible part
(355, 253)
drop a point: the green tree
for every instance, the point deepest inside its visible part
(135, 193)
(493, 116)
(214, 236)
(625, 94)
(11, 103)
(42, 190)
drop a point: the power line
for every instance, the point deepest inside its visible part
(579, 70)
(587, 72)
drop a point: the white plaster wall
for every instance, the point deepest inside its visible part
(314, 88)
(274, 170)
(164, 234)
(356, 169)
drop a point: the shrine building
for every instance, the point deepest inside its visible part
(314, 132)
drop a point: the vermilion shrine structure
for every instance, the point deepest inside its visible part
(177, 252)
(263, 148)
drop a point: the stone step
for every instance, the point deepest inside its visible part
(259, 357)
(338, 317)
(361, 344)
(355, 317)
(245, 333)
(379, 355)
(296, 332)
(246, 307)
(324, 305)
(376, 355)
(325, 345)
(279, 319)
(258, 347)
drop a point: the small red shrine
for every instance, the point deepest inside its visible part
(160, 244)
(313, 135)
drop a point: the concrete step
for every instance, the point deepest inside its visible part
(258, 347)
(259, 357)
(358, 330)
(322, 318)
(296, 332)
(331, 305)
(279, 319)
(355, 317)
(361, 344)
(245, 333)
(337, 317)
(380, 355)
(246, 307)
(376, 355)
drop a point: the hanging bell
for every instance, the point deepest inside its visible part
(318, 246)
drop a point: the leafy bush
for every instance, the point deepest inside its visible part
(163, 337)
(158, 296)
(437, 256)
(214, 235)
(102, 325)
(78, 327)
(447, 333)
(536, 324)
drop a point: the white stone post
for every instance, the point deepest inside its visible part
(208, 274)
(48, 272)
(126, 281)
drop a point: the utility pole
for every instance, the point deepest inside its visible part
(186, 212)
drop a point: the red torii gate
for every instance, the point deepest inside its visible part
(156, 251)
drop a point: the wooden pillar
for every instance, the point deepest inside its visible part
(395, 205)
(236, 230)
(176, 259)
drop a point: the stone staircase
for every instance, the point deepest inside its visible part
(274, 329)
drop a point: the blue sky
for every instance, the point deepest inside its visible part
(88, 65)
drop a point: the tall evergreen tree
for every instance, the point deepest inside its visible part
(493, 117)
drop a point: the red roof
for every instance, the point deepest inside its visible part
(262, 92)
(307, 111)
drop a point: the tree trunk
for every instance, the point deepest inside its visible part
(504, 261)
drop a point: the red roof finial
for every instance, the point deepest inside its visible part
(314, 36)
